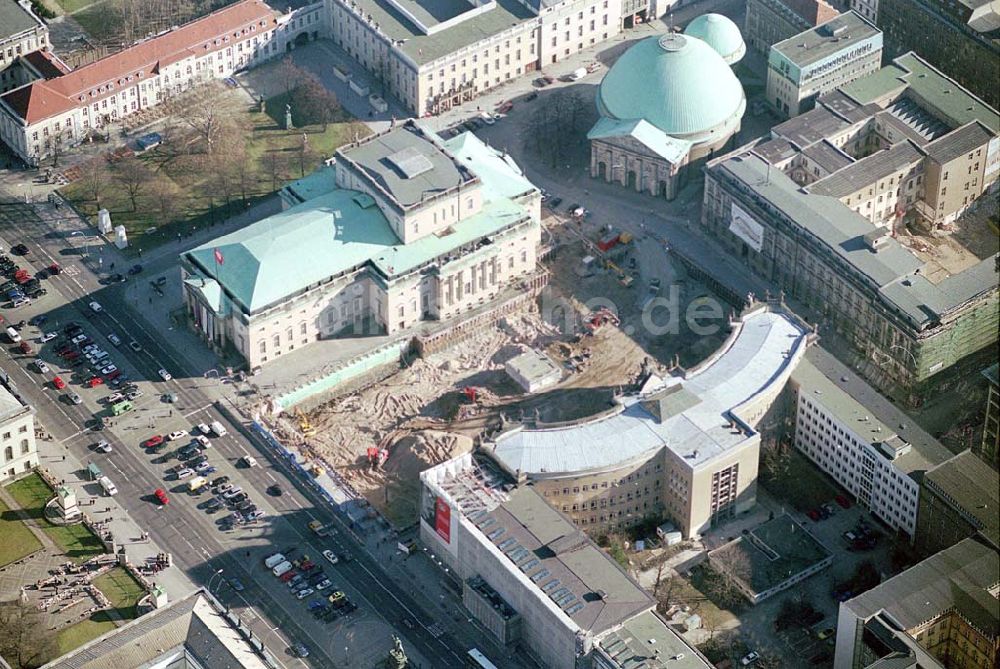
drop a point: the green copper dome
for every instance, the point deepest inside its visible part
(719, 33)
(677, 83)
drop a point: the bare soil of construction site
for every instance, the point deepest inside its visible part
(421, 415)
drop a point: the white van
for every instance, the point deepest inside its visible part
(109, 488)
(578, 73)
(272, 561)
(282, 568)
(218, 430)
(13, 335)
(249, 460)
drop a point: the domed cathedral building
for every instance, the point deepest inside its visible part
(669, 101)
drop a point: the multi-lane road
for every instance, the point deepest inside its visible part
(199, 546)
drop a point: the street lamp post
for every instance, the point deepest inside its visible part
(217, 572)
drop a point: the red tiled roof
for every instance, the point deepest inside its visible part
(61, 94)
(47, 64)
(814, 12)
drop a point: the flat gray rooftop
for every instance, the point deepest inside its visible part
(10, 406)
(775, 551)
(564, 565)
(421, 48)
(647, 641)
(835, 36)
(827, 156)
(432, 12)
(831, 383)
(814, 126)
(959, 577)
(407, 165)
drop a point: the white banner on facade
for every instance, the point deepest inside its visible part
(747, 229)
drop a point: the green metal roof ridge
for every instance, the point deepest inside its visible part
(499, 175)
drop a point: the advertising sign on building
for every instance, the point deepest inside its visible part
(746, 228)
(442, 520)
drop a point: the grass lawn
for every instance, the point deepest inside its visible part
(712, 616)
(801, 484)
(79, 543)
(123, 591)
(70, 6)
(186, 191)
(18, 540)
(76, 635)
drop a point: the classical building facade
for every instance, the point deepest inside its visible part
(939, 613)
(433, 58)
(687, 447)
(21, 33)
(820, 60)
(989, 446)
(18, 450)
(421, 230)
(61, 107)
(667, 102)
(771, 21)
(844, 205)
(958, 499)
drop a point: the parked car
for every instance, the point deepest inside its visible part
(302, 594)
(102, 446)
(58, 383)
(48, 336)
(237, 584)
(96, 307)
(155, 440)
(114, 339)
(220, 481)
(161, 496)
(134, 345)
(331, 556)
(184, 473)
(74, 398)
(750, 658)
(164, 374)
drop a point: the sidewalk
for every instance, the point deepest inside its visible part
(62, 464)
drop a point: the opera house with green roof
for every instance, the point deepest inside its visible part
(401, 227)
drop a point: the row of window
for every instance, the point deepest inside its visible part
(8, 452)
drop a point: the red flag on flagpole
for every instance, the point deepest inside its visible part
(218, 257)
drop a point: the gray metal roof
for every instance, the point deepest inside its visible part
(407, 165)
(814, 126)
(825, 218)
(827, 156)
(687, 415)
(957, 577)
(968, 138)
(775, 151)
(608, 595)
(9, 405)
(836, 35)
(14, 20)
(847, 396)
(861, 174)
(192, 625)
(973, 487)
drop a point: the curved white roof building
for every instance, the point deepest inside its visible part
(688, 431)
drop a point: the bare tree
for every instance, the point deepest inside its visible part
(316, 104)
(290, 73)
(665, 587)
(165, 194)
(134, 177)
(730, 569)
(274, 166)
(95, 178)
(207, 120)
(26, 641)
(775, 458)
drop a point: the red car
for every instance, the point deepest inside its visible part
(58, 383)
(70, 355)
(814, 515)
(54, 268)
(843, 501)
(161, 496)
(25, 347)
(94, 381)
(155, 440)
(287, 576)
(114, 375)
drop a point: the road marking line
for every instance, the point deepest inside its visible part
(271, 476)
(198, 410)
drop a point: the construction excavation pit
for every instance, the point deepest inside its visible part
(589, 324)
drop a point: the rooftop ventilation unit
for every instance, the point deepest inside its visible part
(410, 162)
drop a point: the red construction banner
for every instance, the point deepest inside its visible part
(442, 519)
